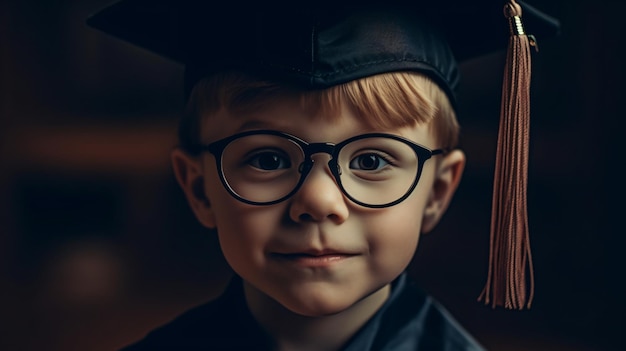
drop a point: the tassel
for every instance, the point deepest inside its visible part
(510, 281)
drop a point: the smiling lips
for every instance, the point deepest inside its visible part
(314, 259)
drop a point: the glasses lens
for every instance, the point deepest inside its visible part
(377, 170)
(262, 168)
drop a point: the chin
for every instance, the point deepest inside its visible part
(325, 302)
(318, 308)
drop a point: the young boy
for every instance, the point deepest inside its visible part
(319, 143)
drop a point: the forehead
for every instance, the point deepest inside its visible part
(287, 115)
(283, 112)
(380, 102)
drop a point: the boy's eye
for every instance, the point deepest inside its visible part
(368, 162)
(269, 161)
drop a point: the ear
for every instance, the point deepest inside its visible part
(447, 178)
(190, 176)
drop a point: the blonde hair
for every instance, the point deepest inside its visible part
(384, 101)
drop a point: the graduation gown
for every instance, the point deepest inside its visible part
(408, 320)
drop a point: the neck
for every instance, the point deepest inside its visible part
(292, 331)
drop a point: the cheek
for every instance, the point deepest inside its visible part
(394, 233)
(395, 237)
(244, 232)
(241, 247)
(234, 219)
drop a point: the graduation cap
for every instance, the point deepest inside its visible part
(320, 44)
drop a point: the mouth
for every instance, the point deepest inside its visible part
(314, 259)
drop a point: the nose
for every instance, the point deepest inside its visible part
(319, 198)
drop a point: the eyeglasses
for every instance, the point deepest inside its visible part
(265, 167)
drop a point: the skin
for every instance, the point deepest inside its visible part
(315, 301)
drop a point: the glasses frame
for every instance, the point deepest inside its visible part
(309, 149)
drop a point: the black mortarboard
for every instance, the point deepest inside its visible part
(324, 43)
(316, 44)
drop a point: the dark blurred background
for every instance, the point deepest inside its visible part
(97, 245)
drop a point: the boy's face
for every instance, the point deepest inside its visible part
(316, 253)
